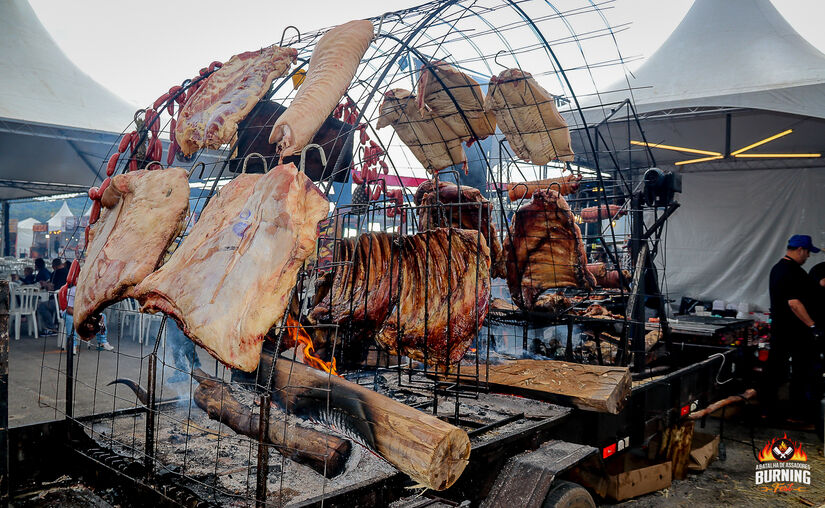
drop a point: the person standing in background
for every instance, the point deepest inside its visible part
(793, 334)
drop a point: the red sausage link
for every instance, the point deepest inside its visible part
(175, 89)
(170, 108)
(170, 157)
(172, 126)
(95, 213)
(133, 143)
(74, 271)
(112, 164)
(364, 137)
(94, 193)
(63, 294)
(357, 178)
(215, 65)
(103, 186)
(384, 166)
(158, 153)
(203, 71)
(160, 100)
(124, 142)
(132, 164)
(376, 193)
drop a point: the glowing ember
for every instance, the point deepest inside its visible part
(300, 336)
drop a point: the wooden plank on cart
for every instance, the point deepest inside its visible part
(526, 479)
(589, 387)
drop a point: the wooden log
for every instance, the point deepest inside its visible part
(524, 190)
(324, 453)
(432, 452)
(676, 445)
(589, 387)
(719, 404)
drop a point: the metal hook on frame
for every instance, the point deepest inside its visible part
(283, 34)
(192, 170)
(495, 59)
(304, 153)
(381, 22)
(149, 165)
(254, 154)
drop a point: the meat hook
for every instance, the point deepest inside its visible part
(283, 34)
(304, 153)
(495, 59)
(192, 170)
(246, 159)
(153, 162)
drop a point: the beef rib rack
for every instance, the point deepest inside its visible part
(143, 211)
(232, 277)
(210, 118)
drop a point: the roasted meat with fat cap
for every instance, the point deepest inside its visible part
(143, 212)
(544, 250)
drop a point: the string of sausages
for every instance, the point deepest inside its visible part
(371, 160)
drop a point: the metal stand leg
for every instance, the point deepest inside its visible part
(4, 392)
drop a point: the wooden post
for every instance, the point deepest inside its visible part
(675, 447)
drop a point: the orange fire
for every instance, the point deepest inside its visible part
(300, 336)
(766, 453)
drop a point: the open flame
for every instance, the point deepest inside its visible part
(766, 453)
(300, 336)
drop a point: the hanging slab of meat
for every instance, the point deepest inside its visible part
(143, 211)
(607, 278)
(437, 82)
(467, 209)
(444, 297)
(331, 69)
(210, 118)
(429, 137)
(544, 249)
(528, 117)
(402, 283)
(365, 286)
(601, 212)
(231, 278)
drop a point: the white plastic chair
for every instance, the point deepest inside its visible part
(131, 317)
(24, 303)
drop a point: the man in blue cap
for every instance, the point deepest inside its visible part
(793, 332)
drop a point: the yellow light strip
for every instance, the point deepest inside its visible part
(762, 142)
(779, 155)
(676, 148)
(703, 159)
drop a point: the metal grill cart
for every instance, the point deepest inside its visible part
(291, 435)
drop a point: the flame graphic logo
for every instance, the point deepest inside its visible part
(782, 449)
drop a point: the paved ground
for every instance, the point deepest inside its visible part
(35, 365)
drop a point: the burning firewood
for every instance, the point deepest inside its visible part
(432, 452)
(324, 453)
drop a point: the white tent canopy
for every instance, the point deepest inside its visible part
(732, 74)
(25, 236)
(56, 221)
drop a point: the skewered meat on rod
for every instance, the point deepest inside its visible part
(143, 211)
(210, 118)
(469, 214)
(544, 249)
(454, 96)
(428, 136)
(331, 69)
(231, 278)
(528, 117)
(564, 185)
(426, 294)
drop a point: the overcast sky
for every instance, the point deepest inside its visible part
(139, 49)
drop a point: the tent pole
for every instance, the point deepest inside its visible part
(6, 233)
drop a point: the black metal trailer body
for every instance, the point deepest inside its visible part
(658, 402)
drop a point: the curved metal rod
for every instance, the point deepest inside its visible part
(149, 165)
(495, 59)
(381, 22)
(194, 166)
(304, 153)
(283, 34)
(254, 154)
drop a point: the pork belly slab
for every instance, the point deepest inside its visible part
(331, 69)
(142, 212)
(544, 249)
(232, 277)
(210, 118)
(527, 115)
(428, 136)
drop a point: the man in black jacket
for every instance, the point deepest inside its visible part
(793, 332)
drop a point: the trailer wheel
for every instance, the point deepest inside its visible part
(565, 494)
